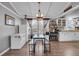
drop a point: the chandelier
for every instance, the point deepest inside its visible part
(39, 15)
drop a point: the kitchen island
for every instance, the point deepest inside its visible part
(69, 36)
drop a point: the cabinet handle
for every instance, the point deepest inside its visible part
(17, 36)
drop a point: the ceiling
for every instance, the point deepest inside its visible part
(48, 9)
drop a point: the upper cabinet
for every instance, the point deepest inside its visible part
(52, 25)
(76, 21)
(61, 23)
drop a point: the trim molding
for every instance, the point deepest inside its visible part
(8, 9)
(4, 51)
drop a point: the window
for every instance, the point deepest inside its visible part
(70, 25)
(37, 26)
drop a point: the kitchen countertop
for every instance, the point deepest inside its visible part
(70, 31)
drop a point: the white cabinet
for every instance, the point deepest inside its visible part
(68, 36)
(77, 36)
(18, 40)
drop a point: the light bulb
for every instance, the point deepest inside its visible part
(41, 15)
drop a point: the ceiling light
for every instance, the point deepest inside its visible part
(39, 15)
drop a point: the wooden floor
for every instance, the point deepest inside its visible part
(57, 49)
(39, 48)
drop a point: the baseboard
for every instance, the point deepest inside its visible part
(4, 51)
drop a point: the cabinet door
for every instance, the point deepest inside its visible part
(77, 36)
(73, 36)
(70, 36)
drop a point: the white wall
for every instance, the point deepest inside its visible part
(5, 30)
(4, 11)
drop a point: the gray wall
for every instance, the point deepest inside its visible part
(4, 43)
(5, 30)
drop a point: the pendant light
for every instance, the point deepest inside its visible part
(39, 15)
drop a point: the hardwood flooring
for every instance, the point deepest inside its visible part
(39, 48)
(56, 49)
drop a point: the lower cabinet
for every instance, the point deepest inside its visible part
(18, 40)
(68, 36)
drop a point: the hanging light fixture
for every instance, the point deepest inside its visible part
(39, 15)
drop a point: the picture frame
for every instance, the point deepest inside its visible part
(9, 20)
